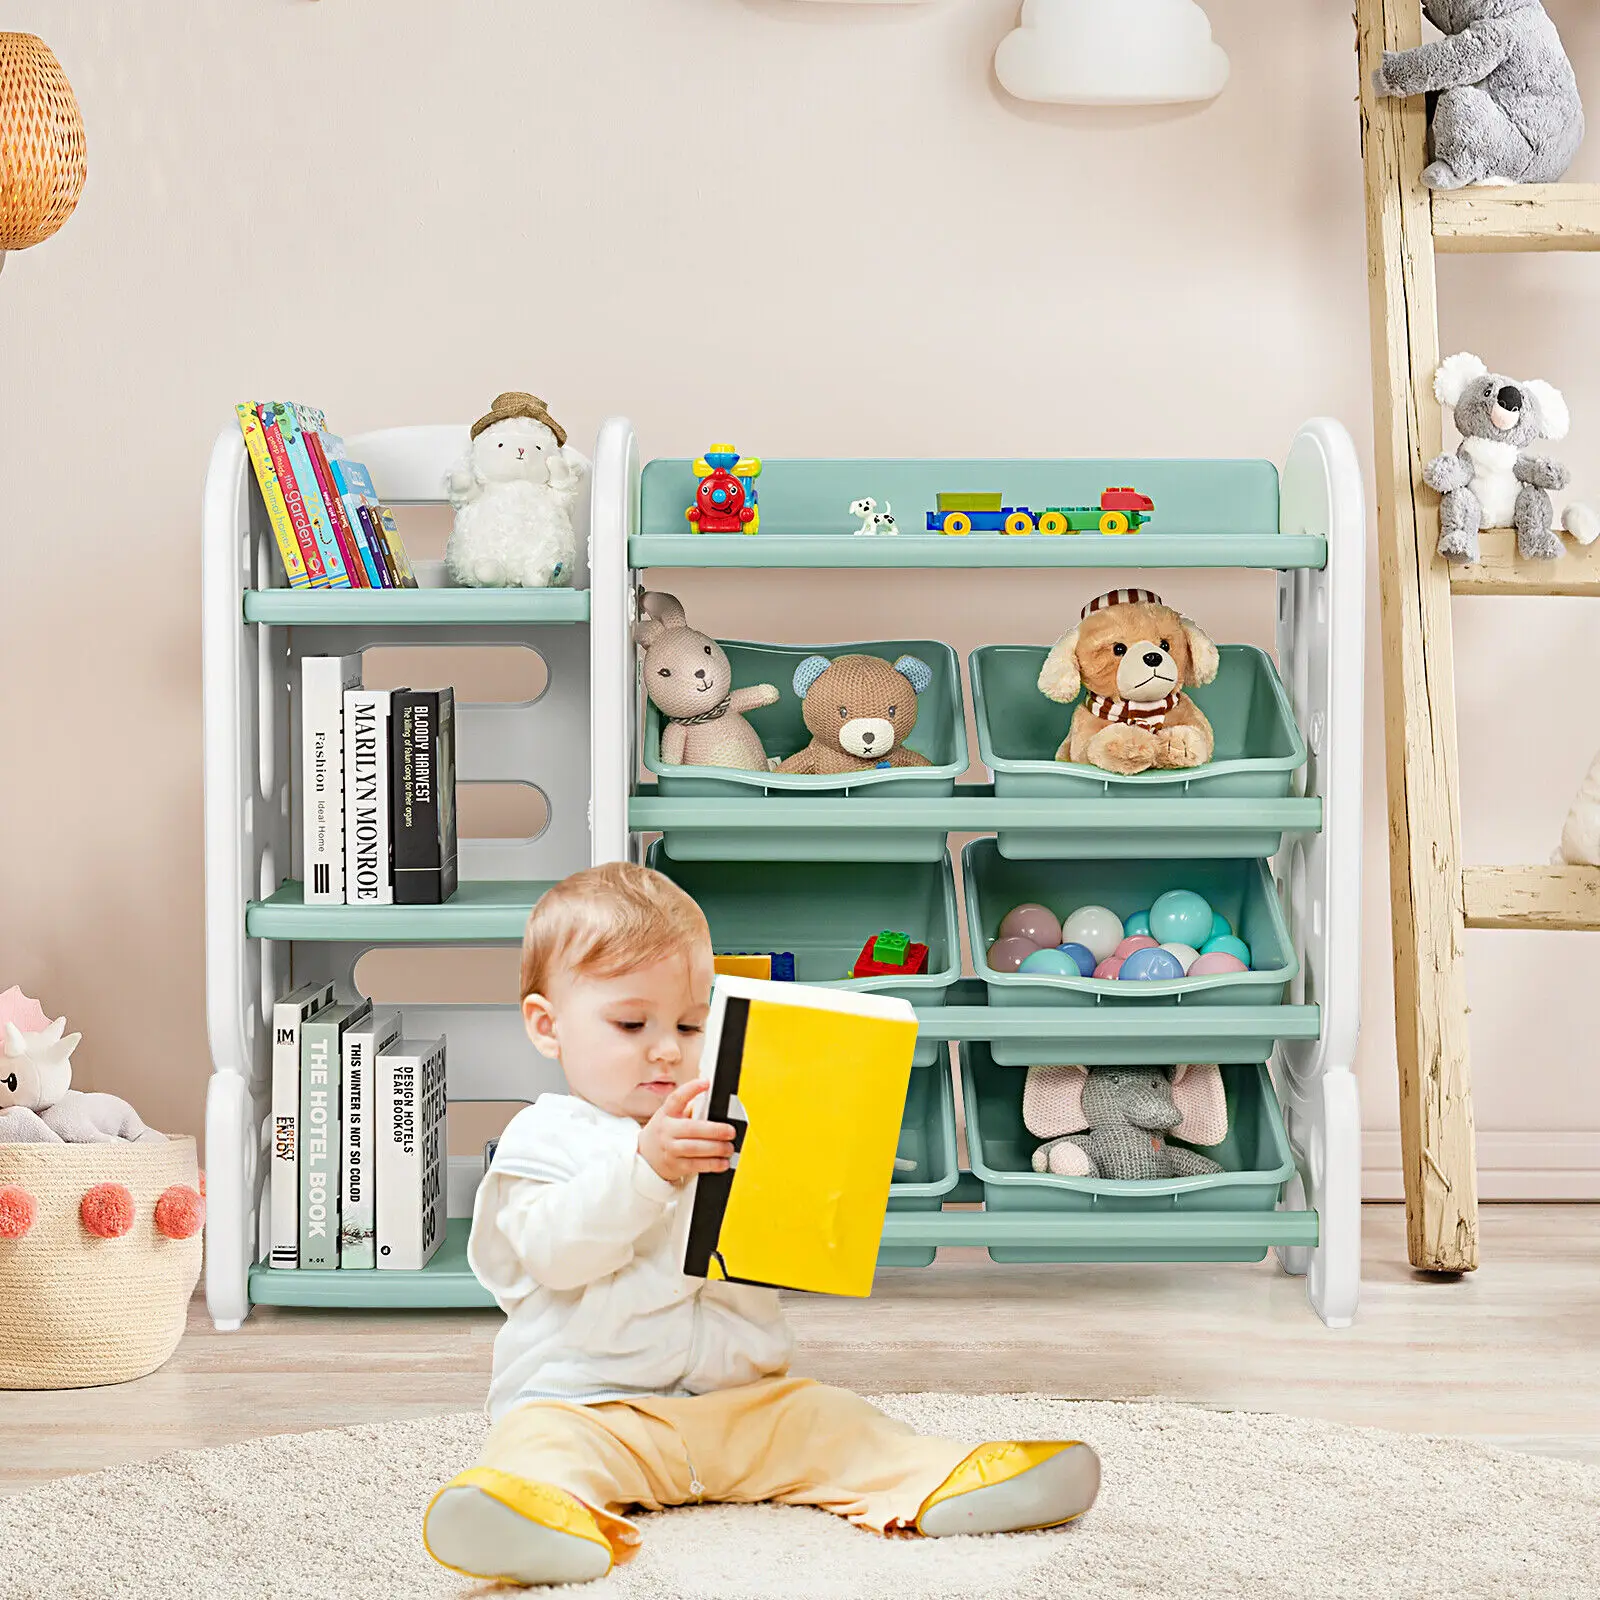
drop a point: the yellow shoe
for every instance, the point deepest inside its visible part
(1012, 1486)
(490, 1524)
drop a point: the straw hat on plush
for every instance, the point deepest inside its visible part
(515, 403)
(42, 164)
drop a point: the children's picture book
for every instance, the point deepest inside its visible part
(353, 485)
(389, 531)
(409, 1105)
(323, 682)
(294, 501)
(321, 1074)
(363, 1043)
(423, 795)
(311, 422)
(814, 1083)
(255, 443)
(368, 876)
(322, 530)
(283, 1189)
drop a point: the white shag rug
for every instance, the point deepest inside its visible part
(1197, 1504)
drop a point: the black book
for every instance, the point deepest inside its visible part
(423, 795)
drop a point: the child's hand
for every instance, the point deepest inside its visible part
(676, 1146)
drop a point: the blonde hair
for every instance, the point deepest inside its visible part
(607, 920)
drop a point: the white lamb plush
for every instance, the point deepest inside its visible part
(514, 491)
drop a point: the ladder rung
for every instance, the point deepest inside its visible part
(1530, 216)
(1503, 571)
(1532, 897)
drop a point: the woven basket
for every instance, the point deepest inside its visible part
(42, 164)
(76, 1309)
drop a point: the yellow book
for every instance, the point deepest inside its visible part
(272, 496)
(814, 1082)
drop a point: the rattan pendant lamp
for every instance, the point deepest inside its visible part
(41, 143)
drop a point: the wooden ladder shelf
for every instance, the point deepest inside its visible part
(1433, 899)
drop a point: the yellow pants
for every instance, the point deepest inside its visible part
(789, 1440)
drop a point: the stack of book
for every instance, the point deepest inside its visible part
(358, 1144)
(331, 529)
(379, 778)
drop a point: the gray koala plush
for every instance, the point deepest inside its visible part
(1504, 103)
(1490, 482)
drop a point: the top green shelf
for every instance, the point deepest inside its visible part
(413, 607)
(1207, 514)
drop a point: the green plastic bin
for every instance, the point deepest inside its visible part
(1255, 1155)
(928, 1137)
(1243, 891)
(1258, 751)
(940, 735)
(824, 911)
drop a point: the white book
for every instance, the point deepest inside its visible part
(358, 1217)
(283, 1196)
(409, 1099)
(368, 859)
(323, 681)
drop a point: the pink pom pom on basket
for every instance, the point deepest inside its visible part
(107, 1210)
(179, 1212)
(17, 1211)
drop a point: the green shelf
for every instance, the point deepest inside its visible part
(413, 607)
(481, 910)
(445, 1282)
(1105, 1232)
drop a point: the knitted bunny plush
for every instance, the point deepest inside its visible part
(859, 711)
(1113, 1122)
(690, 682)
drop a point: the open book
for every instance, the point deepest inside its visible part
(814, 1084)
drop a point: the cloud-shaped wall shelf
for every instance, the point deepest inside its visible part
(1111, 53)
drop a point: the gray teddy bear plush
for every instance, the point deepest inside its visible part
(1504, 102)
(1490, 482)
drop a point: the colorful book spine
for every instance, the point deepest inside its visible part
(321, 1061)
(329, 448)
(306, 479)
(311, 422)
(423, 784)
(354, 484)
(323, 682)
(368, 872)
(294, 565)
(409, 1097)
(294, 501)
(358, 1217)
(397, 550)
(283, 1193)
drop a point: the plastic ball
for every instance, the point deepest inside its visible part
(1220, 926)
(1095, 926)
(1083, 955)
(1053, 963)
(1134, 941)
(17, 1211)
(1139, 922)
(1216, 962)
(1035, 923)
(1181, 916)
(1109, 968)
(106, 1210)
(179, 1212)
(1186, 953)
(1227, 945)
(1154, 965)
(1006, 955)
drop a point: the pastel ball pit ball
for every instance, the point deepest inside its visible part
(1095, 926)
(1109, 968)
(1037, 924)
(1227, 945)
(1006, 955)
(1139, 922)
(1153, 965)
(1186, 953)
(1134, 941)
(1217, 962)
(1181, 916)
(1083, 955)
(1220, 926)
(1056, 963)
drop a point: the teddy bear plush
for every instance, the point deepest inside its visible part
(690, 682)
(1504, 101)
(513, 493)
(1114, 1122)
(859, 710)
(1491, 482)
(1133, 654)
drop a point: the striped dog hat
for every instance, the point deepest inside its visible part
(1120, 597)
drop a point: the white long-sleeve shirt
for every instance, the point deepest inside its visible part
(576, 1237)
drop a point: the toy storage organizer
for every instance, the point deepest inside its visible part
(815, 865)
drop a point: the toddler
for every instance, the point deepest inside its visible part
(619, 1382)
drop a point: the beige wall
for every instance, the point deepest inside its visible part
(396, 208)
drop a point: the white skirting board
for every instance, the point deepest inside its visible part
(1511, 1166)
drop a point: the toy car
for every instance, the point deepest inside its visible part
(1121, 510)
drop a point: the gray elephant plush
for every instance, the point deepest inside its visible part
(1491, 481)
(1113, 1122)
(1504, 105)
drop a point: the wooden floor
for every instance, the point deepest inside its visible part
(1509, 1355)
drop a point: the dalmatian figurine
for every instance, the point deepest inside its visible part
(873, 521)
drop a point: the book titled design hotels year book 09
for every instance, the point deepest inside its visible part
(358, 1217)
(321, 1063)
(408, 1104)
(423, 795)
(288, 1016)
(323, 682)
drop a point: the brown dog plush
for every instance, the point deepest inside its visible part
(1133, 655)
(859, 709)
